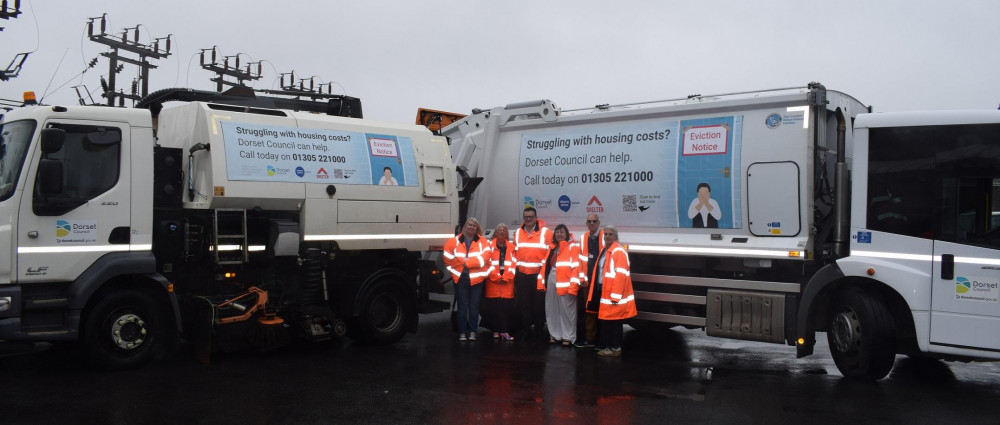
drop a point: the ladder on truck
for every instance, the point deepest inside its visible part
(229, 236)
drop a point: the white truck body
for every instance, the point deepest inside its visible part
(111, 230)
(413, 215)
(790, 254)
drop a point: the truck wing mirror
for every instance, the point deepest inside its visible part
(52, 140)
(50, 176)
(104, 138)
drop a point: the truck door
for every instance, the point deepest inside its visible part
(75, 206)
(966, 278)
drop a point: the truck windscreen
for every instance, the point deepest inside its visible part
(14, 139)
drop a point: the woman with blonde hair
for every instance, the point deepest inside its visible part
(467, 257)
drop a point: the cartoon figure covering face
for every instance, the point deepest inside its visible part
(704, 211)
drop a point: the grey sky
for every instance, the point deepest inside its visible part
(457, 55)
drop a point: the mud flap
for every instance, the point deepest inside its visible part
(201, 330)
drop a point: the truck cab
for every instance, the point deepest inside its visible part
(73, 213)
(926, 229)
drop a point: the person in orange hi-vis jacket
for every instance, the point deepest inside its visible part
(531, 250)
(617, 299)
(561, 283)
(467, 257)
(500, 284)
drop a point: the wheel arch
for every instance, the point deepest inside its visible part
(119, 272)
(814, 314)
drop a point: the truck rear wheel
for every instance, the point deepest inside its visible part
(385, 312)
(123, 329)
(861, 335)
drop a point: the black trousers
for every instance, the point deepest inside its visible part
(581, 313)
(530, 302)
(611, 334)
(500, 311)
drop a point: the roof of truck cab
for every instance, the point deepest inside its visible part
(924, 118)
(134, 117)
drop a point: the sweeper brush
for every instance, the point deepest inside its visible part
(228, 324)
(270, 333)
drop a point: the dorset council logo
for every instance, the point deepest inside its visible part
(62, 228)
(529, 202)
(271, 171)
(962, 285)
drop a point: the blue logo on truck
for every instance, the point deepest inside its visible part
(564, 203)
(772, 121)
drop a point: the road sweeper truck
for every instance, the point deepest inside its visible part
(226, 221)
(770, 216)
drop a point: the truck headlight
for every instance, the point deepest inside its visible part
(5, 303)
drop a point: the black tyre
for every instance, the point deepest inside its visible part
(862, 335)
(385, 315)
(123, 330)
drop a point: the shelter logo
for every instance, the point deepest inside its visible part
(595, 205)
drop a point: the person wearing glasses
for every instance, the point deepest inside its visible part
(617, 298)
(591, 245)
(531, 250)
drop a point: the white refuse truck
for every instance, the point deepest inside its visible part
(770, 216)
(220, 220)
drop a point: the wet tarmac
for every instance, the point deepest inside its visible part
(677, 376)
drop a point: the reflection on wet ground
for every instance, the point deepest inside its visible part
(678, 376)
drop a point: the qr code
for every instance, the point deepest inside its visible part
(338, 173)
(629, 204)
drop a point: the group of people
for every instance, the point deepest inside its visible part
(544, 278)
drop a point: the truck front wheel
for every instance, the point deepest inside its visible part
(385, 311)
(123, 329)
(861, 335)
